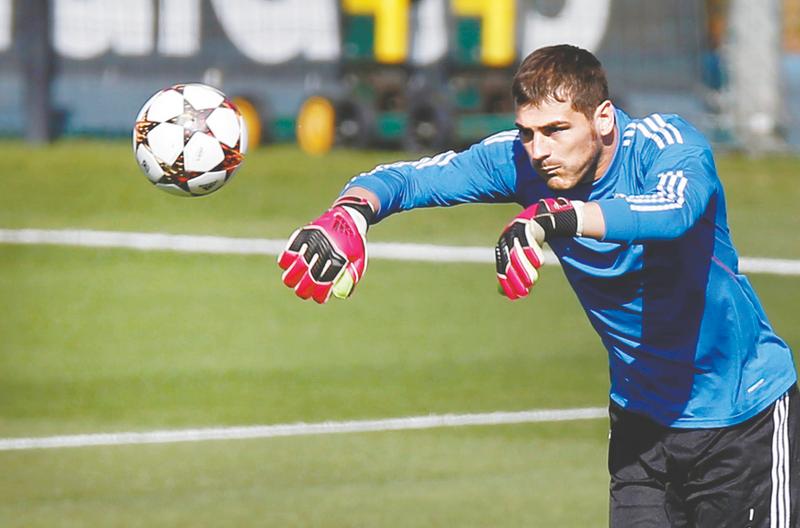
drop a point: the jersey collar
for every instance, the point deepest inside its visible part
(608, 179)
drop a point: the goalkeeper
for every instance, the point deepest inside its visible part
(703, 399)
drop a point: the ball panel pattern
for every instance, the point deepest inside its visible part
(202, 153)
(166, 142)
(202, 97)
(233, 158)
(142, 112)
(172, 188)
(243, 136)
(165, 106)
(224, 124)
(207, 183)
(189, 139)
(149, 164)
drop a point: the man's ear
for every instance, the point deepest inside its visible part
(605, 118)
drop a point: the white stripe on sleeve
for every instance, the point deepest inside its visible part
(672, 128)
(659, 130)
(669, 194)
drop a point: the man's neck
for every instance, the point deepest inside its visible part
(607, 153)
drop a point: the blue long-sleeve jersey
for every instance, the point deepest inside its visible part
(689, 344)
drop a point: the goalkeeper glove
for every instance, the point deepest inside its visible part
(518, 254)
(329, 255)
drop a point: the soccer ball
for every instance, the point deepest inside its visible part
(189, 139)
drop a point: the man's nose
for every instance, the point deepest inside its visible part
(539, 148)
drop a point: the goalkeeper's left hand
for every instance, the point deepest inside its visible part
(518, 254)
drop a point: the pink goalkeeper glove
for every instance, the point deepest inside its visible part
(518, 254)
(329, 255)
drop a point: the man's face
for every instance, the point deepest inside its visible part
(562, 144)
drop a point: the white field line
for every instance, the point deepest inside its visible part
(245, 246)
(300, 429)
(262, 246)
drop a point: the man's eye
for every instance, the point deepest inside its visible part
(525, 135)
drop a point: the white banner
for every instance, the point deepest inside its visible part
(178, 27)
(273, 31)
(580, 22)
(6, 19)
(281, 30)
(84, 29)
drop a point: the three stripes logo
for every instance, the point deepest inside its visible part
(669, 194)
(655, 128)
(780, 502)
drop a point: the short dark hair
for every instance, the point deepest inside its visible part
(561, 73)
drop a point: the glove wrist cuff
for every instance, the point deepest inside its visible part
(359, 209)
(562, 221)
(577, 205)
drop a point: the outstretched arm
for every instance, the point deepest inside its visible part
(328, 256)
(299, 271)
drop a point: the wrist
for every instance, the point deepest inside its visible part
(558, 218)
(359, 209)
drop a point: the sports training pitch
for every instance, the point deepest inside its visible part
(102, 340)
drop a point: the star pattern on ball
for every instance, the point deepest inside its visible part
(188, 150)
(192, 120)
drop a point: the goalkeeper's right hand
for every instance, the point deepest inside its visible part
(329, 255)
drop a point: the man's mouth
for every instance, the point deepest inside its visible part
(549, 170)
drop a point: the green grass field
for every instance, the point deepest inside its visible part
(116, 340)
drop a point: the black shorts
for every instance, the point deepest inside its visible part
(746, 475)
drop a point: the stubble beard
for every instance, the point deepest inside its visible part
(586, 176)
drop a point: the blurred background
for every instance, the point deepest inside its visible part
(111, 325)
(400, 73)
